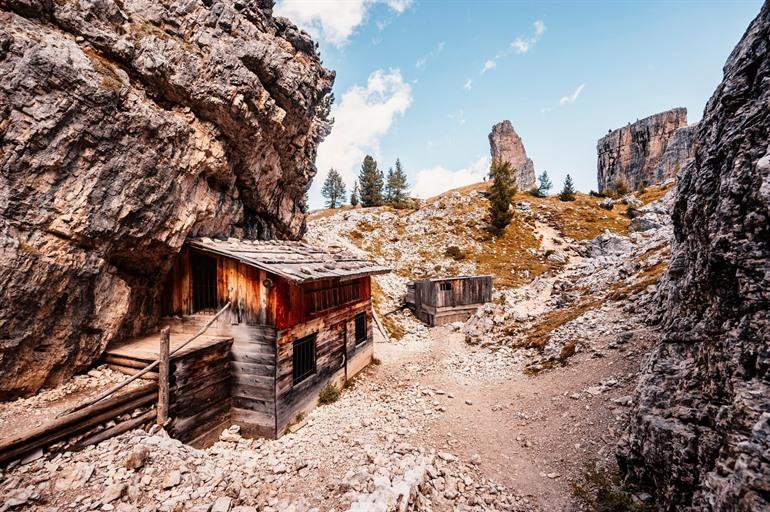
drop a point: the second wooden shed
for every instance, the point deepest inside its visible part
(442, 301)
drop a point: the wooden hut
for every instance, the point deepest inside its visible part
(301, 318)
(441, 301)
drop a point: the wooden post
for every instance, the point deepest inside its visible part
(163, 376)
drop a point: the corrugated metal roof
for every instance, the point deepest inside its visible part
(295, 261)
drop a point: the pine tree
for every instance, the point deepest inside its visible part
(397, 187)
(500, 193)
(354, 195)
(334, 189)
(545, 184)
(388, 195)
(568, 192)
(370, 183)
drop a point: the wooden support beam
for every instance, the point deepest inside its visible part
(163, 376)
(64, 427)
(116, 430)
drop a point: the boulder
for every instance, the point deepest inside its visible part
(126, 127)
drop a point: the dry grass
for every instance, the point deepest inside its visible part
(506, 257)
(644, 279)
(583, 219)
(653, 193)
(483, 185)
(537, 335)
(328, 212)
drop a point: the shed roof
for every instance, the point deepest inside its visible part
(453, 278)
(295, 261)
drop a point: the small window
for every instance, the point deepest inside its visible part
(361, 328)
(445, 287)
(304, 358)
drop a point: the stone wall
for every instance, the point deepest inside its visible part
(646, 152)
(699, 434)
(505, 144)
(124, 128)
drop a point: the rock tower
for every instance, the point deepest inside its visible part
(505, 144)
(646, 152)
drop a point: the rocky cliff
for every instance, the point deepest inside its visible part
(124, 128)
(699, 437)
(505, 144)
(646, 152)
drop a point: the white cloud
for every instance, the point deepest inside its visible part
(332, 20)
(435, 180)
(468, 85)
(422, 61)
(489, 64)
(568, 100)
(519, 45)
(361, 118)
(525, 44)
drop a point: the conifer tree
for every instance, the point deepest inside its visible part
(397, 187)
(545, 184)
(500, 193)
(354, 195)
(387, 196)
(334, 189)
(568, 192)
(370, 183)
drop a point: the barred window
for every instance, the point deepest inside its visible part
(304, 358)
(445, 287)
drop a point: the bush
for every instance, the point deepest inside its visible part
(602, 492)
(621, 187)
(593, 193)
(535, 192)
(454, 252)
(328, 395)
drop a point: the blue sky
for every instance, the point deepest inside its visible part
(426, 80)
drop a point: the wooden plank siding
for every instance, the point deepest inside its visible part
(335, 346)
(436, 306)
(251, 301)
(255, 385)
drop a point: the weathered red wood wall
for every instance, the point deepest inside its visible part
(267, 314)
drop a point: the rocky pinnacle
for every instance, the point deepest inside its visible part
(505, 144)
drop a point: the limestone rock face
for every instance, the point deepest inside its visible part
(646, 152)
(699, 435)
(124, 128)
(505, 144)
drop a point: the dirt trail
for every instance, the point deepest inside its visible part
(533, 434)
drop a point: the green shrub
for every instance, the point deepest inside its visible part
(621, 187)
(600, 491)
(454, 252)
(328, 395)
